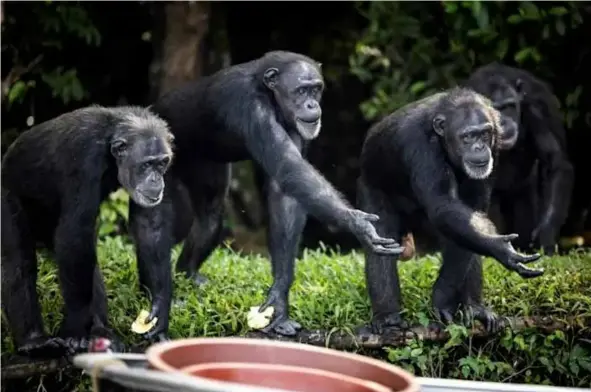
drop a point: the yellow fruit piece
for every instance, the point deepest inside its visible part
(139, 325)
(256, 320)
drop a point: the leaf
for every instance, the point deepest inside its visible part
(502, 49)
(17, 91)
(465, 371)
(522, 55)
(514, 19)
(560, 28)
(558, 11)
(529, 10)
(417, 87)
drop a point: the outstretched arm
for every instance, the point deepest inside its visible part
(467, 227)
(270, 145)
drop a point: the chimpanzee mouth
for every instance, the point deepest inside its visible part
(309, 122)
(308, 129)
(478, 170)
(148, 201)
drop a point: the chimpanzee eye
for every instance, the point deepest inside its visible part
(469, 138)
(145, 166)
(301, 90)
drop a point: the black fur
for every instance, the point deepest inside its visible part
(535, 178)
(414, 166)
(255, 110)
(54, 177)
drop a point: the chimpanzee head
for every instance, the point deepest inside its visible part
(470, 130)
(142, 149)
(297, 86)
(507, 98)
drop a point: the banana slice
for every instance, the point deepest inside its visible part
(139, 326)
(256, 320)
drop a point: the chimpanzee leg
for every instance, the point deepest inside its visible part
(287, 219)
(381, 272)
(207, 183)
(459, 284)
(459, 287)
(183, 219)
(524, 214)
(471, 299)
(75, 254)
(19, 284)
(152, 232)
(99, 300)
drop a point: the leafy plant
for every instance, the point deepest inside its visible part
(411, 50)
(57, 23)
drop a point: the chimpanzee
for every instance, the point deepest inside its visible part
(535, 178)
(267, 110)
(54, 177)
(432, 160)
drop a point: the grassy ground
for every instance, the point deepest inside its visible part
(329, 292)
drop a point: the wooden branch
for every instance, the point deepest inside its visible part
(348, 341)
(15, 366)
(22, 367)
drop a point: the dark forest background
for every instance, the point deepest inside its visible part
(377, 56)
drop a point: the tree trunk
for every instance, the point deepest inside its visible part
(179, 48)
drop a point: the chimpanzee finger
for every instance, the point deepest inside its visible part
(526, 259)
(526, 272)
(381, 250)
(369, 217)
(506, 237)
(153, 313)
(384, 241)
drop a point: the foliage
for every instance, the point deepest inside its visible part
(410, 50)
(57, 24)
(114, 214)
(329, 293)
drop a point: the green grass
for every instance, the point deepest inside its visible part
(329, 292)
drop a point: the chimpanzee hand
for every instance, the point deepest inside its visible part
(159, 332)
(360, 225)
(513, 260)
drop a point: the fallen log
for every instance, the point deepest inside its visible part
(22, 367)
(340, 340)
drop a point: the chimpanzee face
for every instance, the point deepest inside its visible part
(142, 159)
(468, 134)
(298, 91)
(507, 98)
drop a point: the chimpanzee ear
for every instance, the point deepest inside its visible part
(118, 147)
(439, 124)
(270, 77)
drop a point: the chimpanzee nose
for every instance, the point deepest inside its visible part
(311, 105)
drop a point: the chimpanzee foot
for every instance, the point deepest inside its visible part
(381, 324)
(280, 323)
(43, 347)
(443, 317)
(76, 345)
(285, 327)
(491, 322)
